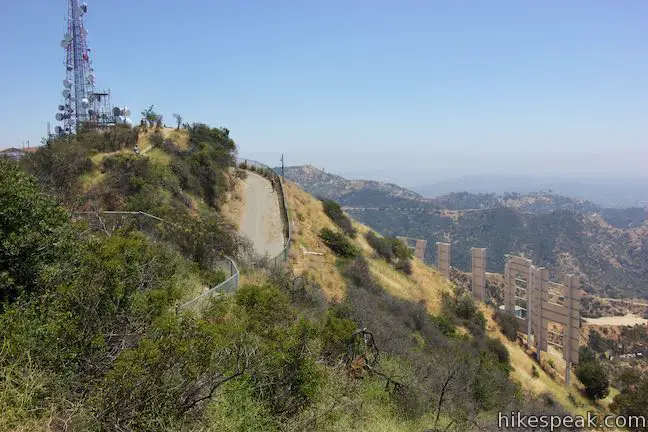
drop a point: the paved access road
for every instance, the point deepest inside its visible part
(261, 217)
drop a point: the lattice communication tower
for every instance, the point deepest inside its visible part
(82, 102)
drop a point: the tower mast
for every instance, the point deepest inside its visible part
(78, 56)
(82, 103)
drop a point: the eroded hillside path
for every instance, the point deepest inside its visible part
(261, 218)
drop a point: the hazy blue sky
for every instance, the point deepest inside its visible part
(436, 88)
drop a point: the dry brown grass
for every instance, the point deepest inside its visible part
(180, 137)
(425, 283)
(522, 364)
(232, 209)
(144, 141)
(159, 156)
(309, 218)
(252, 276)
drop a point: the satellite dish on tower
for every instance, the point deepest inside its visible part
(61, 107)
(59, 116)
(116, 111)
(64, 43)
(58, 130)
(66, 93)
(67, 83)
(67, 37)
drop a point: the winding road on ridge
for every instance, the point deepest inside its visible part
(261, 218)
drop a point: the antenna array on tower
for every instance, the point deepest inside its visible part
(82, 103)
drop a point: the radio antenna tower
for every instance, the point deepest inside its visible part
(82, 103)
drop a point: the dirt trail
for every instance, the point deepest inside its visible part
(626, 320)
(261, 217)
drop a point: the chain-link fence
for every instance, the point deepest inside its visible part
(264, 170)
(110, 221)
(229, 285)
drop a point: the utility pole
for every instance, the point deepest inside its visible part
(282, 168)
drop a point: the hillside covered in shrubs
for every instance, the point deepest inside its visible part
(93, 339)
(607, 247)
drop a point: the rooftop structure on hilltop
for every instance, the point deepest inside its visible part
(16, 153)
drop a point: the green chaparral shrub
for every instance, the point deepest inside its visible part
(392, 250)
(334, 211)
(338, 243)
(507, 324)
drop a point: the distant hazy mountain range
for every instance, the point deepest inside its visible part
(608, 247)
(349, 192)
(607, 193)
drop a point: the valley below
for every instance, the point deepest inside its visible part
(608, 248)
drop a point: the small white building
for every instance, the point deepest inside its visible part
(16, 153)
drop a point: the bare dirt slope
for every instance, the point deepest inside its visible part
(260, 219)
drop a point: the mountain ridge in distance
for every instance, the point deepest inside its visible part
(607, 247)
(605, 192)
(333, 186)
